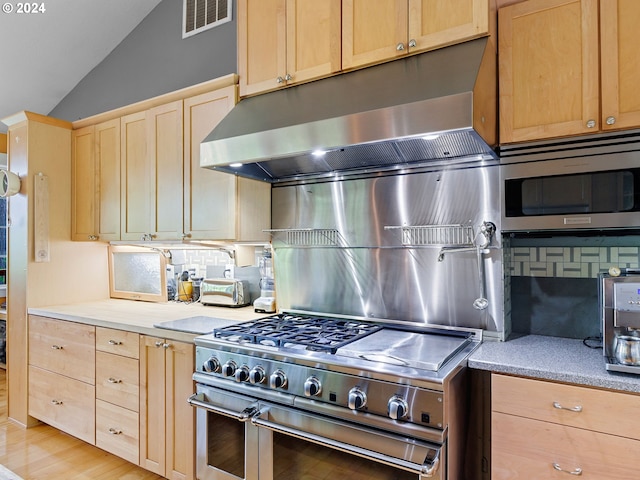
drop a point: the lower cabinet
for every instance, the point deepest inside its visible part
(167, 421)
(118, 393)
(545, 430)
(121, 391)
(62, 387)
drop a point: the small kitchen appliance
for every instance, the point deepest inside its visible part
(224, 292)
(619, 295)
(266, 302)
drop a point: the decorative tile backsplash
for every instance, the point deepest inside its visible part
(570, 262)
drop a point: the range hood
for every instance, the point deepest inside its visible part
(432, 108)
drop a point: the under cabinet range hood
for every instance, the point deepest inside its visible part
(432, 108)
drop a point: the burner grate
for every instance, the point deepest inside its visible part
(295, 331)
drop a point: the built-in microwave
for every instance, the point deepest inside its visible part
(599, 191)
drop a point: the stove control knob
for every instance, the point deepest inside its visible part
(312, 387)
(242, 374)
(212, 365)
(357, 399)
(256, 375)
(229, 368)
(278, 379)
(397, 408)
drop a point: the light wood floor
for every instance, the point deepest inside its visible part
(42, 452)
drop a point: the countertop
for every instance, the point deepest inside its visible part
(552, 358)
(140, 317)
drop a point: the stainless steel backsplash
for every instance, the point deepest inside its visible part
(335, 252)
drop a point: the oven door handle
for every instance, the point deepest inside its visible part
(197, 400)
(428, 469)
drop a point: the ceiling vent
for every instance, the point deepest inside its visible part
(201, 15)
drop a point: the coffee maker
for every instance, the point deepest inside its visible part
(619, 296)
(266, 302)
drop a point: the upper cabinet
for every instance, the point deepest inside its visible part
(95, 170)
(568, 67)
(218, 205)
(138, 177)
(382, 30)
(282, 42)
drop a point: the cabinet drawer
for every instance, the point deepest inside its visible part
(117, 431)
(117, 380)
(63, 402)
(552, 402)
(119, 342)
(528, 449)
(63, 347)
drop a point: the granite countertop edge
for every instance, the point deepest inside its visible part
(552, 358)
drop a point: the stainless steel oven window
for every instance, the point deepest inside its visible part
(295, 459)
(225, 444)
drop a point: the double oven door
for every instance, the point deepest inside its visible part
(239, 437)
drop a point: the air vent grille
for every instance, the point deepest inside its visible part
(201, 15)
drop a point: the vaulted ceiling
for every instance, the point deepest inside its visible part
(46, 53)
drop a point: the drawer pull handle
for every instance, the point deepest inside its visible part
(577, 408)
(114, 431)
(56, 347)
(113, 380)
(576, 471)
(56, 402)
(114, 342)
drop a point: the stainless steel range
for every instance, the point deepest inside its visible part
(302, 396)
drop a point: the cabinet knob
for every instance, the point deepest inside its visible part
(114, 431)
(412, 43)
(400, 47)
(186, 235)
(288, 77)
(93, 237)
(56, 347)
(610, 120)
(591, 123)
(113, 380)
(114, 342)
(56, 402)
(280, 80)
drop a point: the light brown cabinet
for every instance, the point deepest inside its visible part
(374, 32)
(540, 430)
(167, 421)
(62, 375)
(218, 205)
(118, 392)
(95, 172)
(568, 67)
(152, 174)
(282, 42)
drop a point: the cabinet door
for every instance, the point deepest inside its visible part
(548, 62)
(373, 31)
(180, 416)
(167, 448)
(209, 196)
(313, 38)
(83, 185)
(136, 180)
(535, 450)
(165, 150)
(436, 23)
(620, 37)
(152, 404)
(262, 49)
(107, 152)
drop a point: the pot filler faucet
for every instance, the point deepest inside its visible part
(487, 229)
